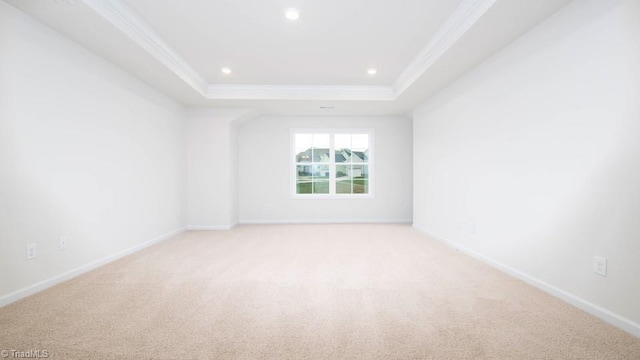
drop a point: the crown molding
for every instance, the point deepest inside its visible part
(461, 20)
(299, 92)
(128, 22)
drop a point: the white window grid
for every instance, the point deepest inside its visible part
(332, 195)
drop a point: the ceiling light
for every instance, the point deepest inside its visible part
(226, 71)
(292, 14)
(372, 71)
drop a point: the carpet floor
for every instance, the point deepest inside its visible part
(304, 292)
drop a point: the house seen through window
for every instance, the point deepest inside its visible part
(332, 163)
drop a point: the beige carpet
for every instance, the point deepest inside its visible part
(305, 292)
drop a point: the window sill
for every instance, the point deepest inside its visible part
(332, 197)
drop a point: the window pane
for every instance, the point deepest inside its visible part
(303, 187)
(342, 155)
(343, 187)
(303, 172)
(303, 146)
(321, 141)
(303, 179)
(365, 171)
(342, 147)
(360, 148)
(321, 155)
(360, 186)
(303, 142)
(320, 187)
(357, 157)
(342, 141)
(321, 172)
(342, 172)
(304, 156)
(360, 174)
(360, 142)
(343, 179)
(356, 172)
(321, 144)
(320, 179)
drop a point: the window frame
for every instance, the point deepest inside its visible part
(332, 195)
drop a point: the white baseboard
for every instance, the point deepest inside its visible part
(612, 318)
(45, 284)
(329, 221)
(212, 227)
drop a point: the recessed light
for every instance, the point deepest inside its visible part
(292, 14)
(226, 71)
(372, 71)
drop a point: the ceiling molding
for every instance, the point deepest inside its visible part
(128, 22)
(299, 92)
(460, 21)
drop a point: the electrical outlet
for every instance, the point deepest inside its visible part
(600, 265)
(32, 251)
(472, 228)
(62, 242)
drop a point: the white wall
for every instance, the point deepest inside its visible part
(539, 150)
(86, 151)
(265, 174)
(212, 167)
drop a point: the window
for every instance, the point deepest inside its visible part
(332, 164)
